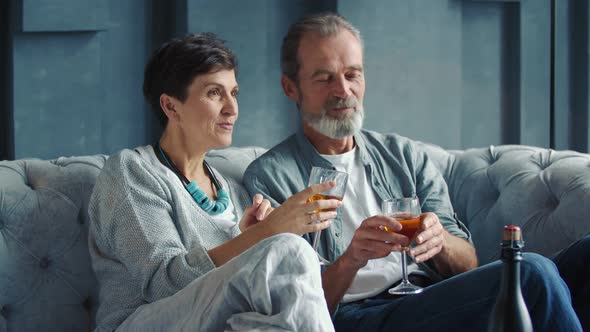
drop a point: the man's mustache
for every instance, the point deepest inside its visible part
(350, 102)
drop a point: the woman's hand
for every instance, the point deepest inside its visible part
(256, 212)
(298, 216)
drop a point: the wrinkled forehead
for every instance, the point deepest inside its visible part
(340, 50)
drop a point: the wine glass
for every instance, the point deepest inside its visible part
(407, 212)
(319, 175)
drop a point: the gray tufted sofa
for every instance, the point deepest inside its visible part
(46, 282)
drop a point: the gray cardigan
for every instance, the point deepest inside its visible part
(148, 239)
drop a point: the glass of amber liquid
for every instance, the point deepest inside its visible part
(319, 175)
(407, 212)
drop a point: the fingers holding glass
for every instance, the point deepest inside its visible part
(326, 186)
(407, 212)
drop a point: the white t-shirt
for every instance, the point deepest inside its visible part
(361, 202)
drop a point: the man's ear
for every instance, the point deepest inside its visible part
(168, 104)
(290, 88)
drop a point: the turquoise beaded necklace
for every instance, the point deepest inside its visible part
(209, 206)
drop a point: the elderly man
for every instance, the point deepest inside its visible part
(323, 73)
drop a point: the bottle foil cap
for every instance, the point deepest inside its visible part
(512, 233)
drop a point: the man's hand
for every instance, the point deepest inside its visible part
(430, 240)
(370, 241)
(450, 254)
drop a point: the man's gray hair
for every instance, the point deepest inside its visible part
(325, 24)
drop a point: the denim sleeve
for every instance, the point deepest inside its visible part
(257, 181)
(433, 193)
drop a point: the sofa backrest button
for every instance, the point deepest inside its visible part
(44, 263)
(87, 304)
(4, 311)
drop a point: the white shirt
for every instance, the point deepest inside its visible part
(226, 220)
(361, 202)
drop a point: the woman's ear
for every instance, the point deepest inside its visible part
(290, 88)
(168, 104)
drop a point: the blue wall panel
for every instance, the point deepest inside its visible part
(563, 107)
(579, 73)
(535, 72)
(80, 92)
(585, 51)
(63, 15)
(481, 73)
(56, 88)
(6, 135)
(124, 49)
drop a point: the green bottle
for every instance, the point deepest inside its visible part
(510, 313)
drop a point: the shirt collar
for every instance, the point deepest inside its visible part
(310, 153)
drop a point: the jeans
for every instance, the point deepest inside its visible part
(464, 303)
(273, 286)
(573, 264)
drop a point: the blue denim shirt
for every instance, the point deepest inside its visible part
(394, 165)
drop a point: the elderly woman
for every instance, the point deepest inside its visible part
(173, 243)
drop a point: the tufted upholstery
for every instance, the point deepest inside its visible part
(545, 192)
(46, 282)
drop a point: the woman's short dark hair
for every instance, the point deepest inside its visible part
(172, 68)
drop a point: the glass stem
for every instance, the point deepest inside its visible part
(316, 240)
(404, 267)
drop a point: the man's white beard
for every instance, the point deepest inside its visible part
(348, 125)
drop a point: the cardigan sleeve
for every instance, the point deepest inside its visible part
(134, 225)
